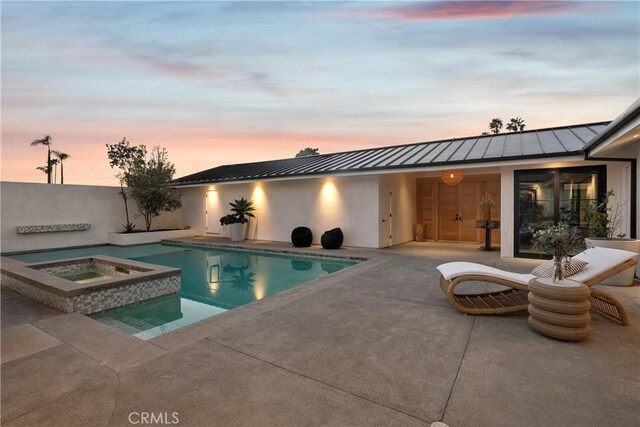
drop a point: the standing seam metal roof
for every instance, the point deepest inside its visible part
(558, 141)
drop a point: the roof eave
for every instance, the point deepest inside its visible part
(503, 161)
(618, 123)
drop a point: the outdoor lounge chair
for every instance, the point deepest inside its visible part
(602, 264)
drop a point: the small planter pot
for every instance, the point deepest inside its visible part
(633, 245)
(237, 232)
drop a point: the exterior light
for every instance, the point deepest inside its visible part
(452, 177)
(329, 192)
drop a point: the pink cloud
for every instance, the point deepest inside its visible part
(475, 10)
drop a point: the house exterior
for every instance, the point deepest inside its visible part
(378, 196)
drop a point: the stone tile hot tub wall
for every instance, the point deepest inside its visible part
(74, 266)
(35, 281)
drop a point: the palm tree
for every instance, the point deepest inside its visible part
(43, 169)
(495, 125)
(61, 157)
(54, 163)
(46, 141)
(516, 124)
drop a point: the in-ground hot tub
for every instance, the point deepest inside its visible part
(89, 284)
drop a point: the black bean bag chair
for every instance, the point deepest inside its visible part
(301, 237)
(332, 239)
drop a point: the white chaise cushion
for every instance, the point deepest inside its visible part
(600, 260)
(451, 270)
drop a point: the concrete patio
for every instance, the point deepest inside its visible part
(377, 343)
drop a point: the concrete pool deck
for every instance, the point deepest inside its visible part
(377, 343)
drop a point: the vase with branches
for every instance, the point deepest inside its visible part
(561, 242)
(487, 202)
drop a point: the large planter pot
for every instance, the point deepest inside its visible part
(237, 232)
(633, 245)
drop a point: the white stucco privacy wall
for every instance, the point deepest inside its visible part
(321, 204)
(45, 204)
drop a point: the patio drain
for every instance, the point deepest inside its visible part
(439, 424)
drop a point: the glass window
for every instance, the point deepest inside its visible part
(536, 205)
(548, 196)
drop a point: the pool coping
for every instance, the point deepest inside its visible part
(282, 251)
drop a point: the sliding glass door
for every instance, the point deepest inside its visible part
(548, 196)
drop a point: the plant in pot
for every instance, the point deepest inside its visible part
(561, 241)
(242, 210)
(604, 220)
(487, 202)
(233, 222)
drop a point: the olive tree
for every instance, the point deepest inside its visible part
(149, 182)
(123, 156)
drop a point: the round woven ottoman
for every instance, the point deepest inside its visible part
(332, 239)
(301, 237)
(559, 311)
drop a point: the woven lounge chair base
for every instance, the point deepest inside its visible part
(514, 299)
(606, 305)
(507, 301)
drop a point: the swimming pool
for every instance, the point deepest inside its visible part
(214, 280)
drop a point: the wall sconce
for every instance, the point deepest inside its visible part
(452, 177)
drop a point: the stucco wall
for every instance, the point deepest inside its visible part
(43, 204)
(193, 208)
(350, 203)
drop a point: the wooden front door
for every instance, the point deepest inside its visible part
(428, 209)
(448, 223)
(449, 212)
(458, 211)
(469, 210)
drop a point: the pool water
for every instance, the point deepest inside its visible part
(85, 276)
(214, 280)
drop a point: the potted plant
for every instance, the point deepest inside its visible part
(561, 242)
(236, 227)
(604, 221)
(242, 210)
(487, 202)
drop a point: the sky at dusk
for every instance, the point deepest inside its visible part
(232, 82)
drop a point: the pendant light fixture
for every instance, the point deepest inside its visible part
(452, 177)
